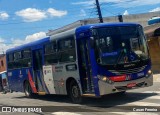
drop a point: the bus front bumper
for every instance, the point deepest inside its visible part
(106, 88)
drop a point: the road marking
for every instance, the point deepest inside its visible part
(158, 92)
(154, 97)
(65, 113)
(142, 104)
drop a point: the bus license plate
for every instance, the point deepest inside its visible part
(130, 85)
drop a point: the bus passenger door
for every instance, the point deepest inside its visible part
(85, 66)
(37, 69)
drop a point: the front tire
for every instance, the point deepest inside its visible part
(74, 92)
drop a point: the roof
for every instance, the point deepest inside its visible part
(152, 30)
(2, 72)
(2, 55)
(31, 44)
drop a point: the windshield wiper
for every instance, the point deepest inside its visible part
(119, 57)
(139, 58)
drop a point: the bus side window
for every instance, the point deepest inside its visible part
(67, 49)
(26, 60)
(10, 61)
(17, 57)
(51, 55)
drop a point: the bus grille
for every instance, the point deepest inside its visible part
(128, 71)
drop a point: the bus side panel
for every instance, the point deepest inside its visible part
(55, 76)
(24, 76)
(17, 77)
(13, 80)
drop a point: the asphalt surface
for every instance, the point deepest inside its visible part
(146, 100)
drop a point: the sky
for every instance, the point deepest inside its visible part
(23, 21)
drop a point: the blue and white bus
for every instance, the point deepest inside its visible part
(91, 60)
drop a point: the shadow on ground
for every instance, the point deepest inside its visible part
(107, 100)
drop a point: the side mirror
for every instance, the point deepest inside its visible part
(92, 43)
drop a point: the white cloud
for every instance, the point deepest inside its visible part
(1, 40)
(35, 36)
(18, 42)
(4, 46)
(31, 14)
(82, 13)
(155, 10)
(56, 13)
(4, 16)
(125, 12)
(29, 38)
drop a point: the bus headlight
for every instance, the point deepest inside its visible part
(149, 73)
(105, 79)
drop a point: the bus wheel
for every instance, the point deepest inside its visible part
(4, 92)
(27, 89)
(11, 91)
(74, 92)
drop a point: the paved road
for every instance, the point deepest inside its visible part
(111, 104)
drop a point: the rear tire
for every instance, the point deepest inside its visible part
(11, 91)
(74, 92)
(4, 92)
(27, 89)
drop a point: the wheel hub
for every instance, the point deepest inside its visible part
(75, 91)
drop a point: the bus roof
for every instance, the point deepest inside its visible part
(28, 45)
(99, 25)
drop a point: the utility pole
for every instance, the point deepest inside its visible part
(99, 11)
(120, 18)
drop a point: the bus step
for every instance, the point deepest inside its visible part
(88, 95)
(41, 93)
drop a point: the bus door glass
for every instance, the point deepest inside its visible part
(85, 66)
(37, 68)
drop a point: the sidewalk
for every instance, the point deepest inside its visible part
(156, 77)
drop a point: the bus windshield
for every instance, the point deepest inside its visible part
(119, 45)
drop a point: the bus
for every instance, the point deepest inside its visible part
(91, 60)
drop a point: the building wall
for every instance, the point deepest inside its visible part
(154, 48)
(2, 63)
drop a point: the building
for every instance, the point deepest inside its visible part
(153, 37)
(138, 18)
(2, 62)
